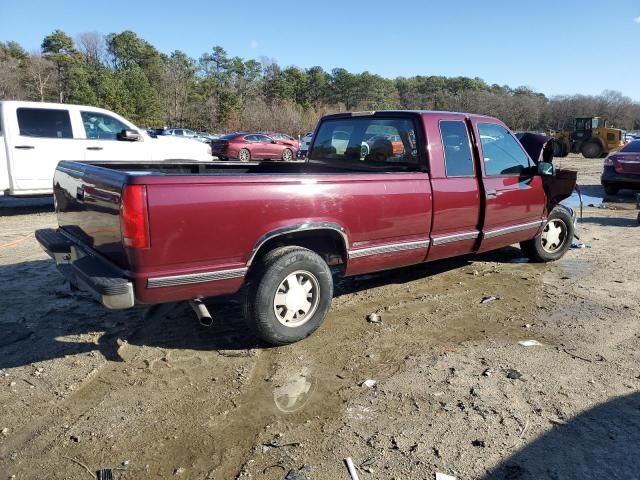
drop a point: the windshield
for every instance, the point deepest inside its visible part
(370, 143)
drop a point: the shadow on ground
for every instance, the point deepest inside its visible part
(43, 319)
(601, 443)
(611, 221)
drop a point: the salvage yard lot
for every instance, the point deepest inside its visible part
(81, 386)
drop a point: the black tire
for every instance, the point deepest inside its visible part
(542, 248)
(611, 189)
(557, 148)
(287, 155)
(565, 150)
(591, 150)
(244, 155)
(268, 278)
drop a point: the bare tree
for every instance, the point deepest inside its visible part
(92, 46)
(40, 76)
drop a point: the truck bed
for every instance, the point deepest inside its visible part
(209, 218)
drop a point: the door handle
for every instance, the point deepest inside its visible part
(25, 147)
(94, 148)
(492, 193)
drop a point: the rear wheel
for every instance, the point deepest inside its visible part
(553, 241)
(611, 189)
(244, 155)
(287, 155)
(557, 148)
(591, 150)
(288, 295)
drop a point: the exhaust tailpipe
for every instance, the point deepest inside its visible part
(206, 320)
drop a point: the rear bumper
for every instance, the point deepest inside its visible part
(87, 271)
(611, 177)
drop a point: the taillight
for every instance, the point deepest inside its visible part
(134, 217)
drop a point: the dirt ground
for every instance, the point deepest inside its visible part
(83, 388)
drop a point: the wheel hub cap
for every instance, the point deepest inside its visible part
(553, 235)
(296, 299)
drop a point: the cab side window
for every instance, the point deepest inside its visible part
(457, 153)
(503, 154)
(44, 123)
(98, 126)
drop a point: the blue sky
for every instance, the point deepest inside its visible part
(556, 47)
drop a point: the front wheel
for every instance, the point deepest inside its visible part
(287, 155)
(591, 149)
(288, 295)
(553, 241)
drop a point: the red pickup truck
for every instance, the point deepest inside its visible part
(280, 233)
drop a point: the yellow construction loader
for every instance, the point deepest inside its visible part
(591, 137)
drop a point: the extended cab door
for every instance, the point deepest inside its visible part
(101, 143)
(456, 187)
(514, 198)
(37, 139)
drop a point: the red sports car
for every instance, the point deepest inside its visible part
(251, 146)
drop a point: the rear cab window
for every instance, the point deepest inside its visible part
(457, 152)
(502, 153)
(44, 123)
(367, 143)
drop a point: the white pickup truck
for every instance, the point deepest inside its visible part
(35, 136)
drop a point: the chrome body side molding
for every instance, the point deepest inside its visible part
(196, 278)
(444, 239)
(390, 248)
(514, 228)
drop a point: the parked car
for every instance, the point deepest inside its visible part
(208, 136)
(395, 143)
(179, 132)
(252, 146)
(281, 233)
(187, 134)
(622, 169)
(35, 136)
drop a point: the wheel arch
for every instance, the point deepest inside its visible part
(327, 239)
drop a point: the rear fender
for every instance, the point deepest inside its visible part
(302, 234)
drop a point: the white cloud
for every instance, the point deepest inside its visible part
(637, 19)
(255, 44)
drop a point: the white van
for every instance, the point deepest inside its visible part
(35, 136)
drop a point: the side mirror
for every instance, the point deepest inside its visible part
(546, 169)
(128, 135)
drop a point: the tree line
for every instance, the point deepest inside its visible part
(217, 92)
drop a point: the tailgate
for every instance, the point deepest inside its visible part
(87, 202)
